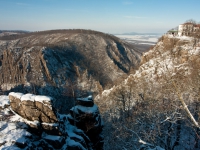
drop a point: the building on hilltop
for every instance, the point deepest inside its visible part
(188, 29)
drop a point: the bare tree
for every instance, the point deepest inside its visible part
(191, 21)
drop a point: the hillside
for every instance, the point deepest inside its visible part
(171, 58)
(46, 62)
(149, 103)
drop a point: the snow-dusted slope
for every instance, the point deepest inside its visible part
(44, 61)
(147, 104)
(170, 58)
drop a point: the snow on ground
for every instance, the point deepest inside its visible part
(10, 133)
(180, 37)
(4, 100)
(12, 126)
(29, 97)
(40, 98)
(15, 94)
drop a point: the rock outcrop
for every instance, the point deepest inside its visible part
(79, 130)
(37, 110)
(85, 116)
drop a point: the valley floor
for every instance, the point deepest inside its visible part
(141, 42)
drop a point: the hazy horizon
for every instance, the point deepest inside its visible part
(113, 16)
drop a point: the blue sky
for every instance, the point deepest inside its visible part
(110, 16)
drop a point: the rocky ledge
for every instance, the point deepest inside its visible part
(40, 126)
(36, 110)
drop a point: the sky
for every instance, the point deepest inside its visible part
(109, 16)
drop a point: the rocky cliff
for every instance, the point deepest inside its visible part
(37, 110)
(33, 122)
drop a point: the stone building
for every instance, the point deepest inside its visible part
(188, 29)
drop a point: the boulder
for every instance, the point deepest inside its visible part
(15, 101)
(81, 129)
(35, 108)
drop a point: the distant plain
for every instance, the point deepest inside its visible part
(141, 42)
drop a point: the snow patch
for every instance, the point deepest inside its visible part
(10, 134)
(30, 97)
(107, 92)
(50, 124)
(17, 95)
(43, 98)
(4, 100)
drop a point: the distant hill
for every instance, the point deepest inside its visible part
(11, 32)
(16, 31)
(49, 59)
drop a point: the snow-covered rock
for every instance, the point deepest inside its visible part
(87, 118)
(19, 132)
(35, 108)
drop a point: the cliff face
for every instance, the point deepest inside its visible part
(47, 60)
